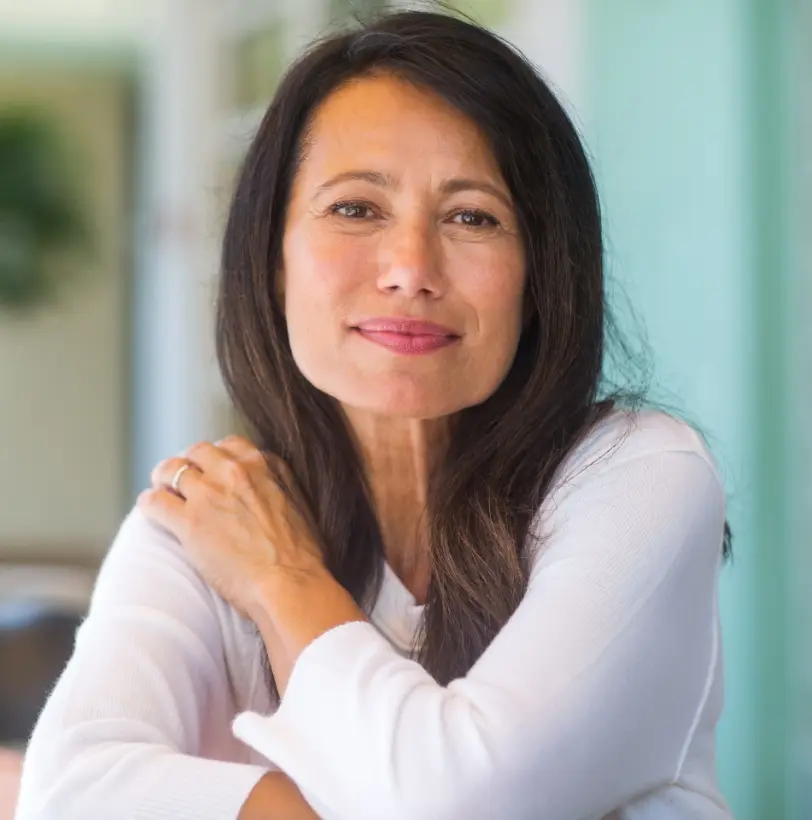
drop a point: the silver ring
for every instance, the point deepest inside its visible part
(176, 478)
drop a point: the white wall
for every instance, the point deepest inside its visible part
(175, 386)
(552, 34)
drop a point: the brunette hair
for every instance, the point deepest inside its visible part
(503, 453)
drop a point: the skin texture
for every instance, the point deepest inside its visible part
(398, 210)
(401, 246)
(10, 771)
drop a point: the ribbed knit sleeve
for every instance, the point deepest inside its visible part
(118, 737)
(586, 699)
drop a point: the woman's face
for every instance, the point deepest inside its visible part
(399, 212)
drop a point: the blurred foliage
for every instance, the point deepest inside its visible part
(258, 65)
(40, 209)
(491, 13)
(487, 12)
(341, 10)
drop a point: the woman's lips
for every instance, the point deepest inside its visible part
(407, 343)
(406, 336)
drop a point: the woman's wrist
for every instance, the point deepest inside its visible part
(294, 608)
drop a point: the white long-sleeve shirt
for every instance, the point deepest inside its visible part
(598, 699)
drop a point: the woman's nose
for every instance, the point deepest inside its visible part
(409, 262)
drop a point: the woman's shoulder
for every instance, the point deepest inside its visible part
(632, 472)
(147, 580)
(624, 435)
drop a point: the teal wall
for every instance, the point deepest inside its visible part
(683, 116)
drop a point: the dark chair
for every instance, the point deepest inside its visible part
(36, 643)
(41, 608)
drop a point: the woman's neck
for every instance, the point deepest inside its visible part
(399, 456)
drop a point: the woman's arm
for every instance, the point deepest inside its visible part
(587, 698)
(120, 733)
(275, 797)
(10, 767)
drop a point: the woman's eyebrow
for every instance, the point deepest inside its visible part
(374, 177)
(387, 181)
(454, 186)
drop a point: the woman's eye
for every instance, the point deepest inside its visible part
(350, 210)
(475, 219)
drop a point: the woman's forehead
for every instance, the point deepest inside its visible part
(387, 121)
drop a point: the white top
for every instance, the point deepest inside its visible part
(598, 699)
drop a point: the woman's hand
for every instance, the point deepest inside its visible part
(234, 519)
(251, 544)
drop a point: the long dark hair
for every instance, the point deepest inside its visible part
(503, 453)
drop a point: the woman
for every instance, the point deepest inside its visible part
(479, 590)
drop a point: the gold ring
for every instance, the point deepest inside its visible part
(176, 478)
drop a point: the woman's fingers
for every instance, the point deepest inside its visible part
(240, 448)
(163, 507)
(166, 472)
(223, 463)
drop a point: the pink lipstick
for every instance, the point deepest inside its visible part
(406, 336)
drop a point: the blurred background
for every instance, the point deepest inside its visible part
(121, 126)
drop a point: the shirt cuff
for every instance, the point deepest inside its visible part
(307, 697)
(327, 682)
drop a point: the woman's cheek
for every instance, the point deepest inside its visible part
(341, 262)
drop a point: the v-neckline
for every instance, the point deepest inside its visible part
(396, 612)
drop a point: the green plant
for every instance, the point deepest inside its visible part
(40, 210)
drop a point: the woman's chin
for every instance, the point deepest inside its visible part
(407, 410)
(400, 402)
